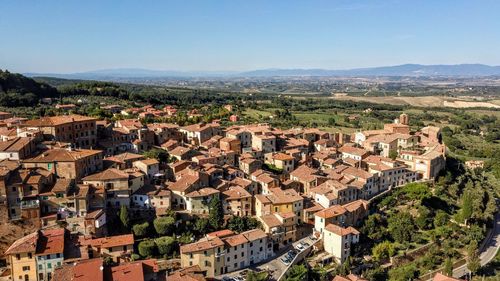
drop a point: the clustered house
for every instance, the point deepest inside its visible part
(69, 175)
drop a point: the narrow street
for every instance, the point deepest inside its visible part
(275, 266)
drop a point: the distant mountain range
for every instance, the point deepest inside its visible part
(398, 70)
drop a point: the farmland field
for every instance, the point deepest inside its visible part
(424, 101)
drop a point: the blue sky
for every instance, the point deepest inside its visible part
(72, 36)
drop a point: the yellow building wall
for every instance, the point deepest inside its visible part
(16, 267)
(208, 262)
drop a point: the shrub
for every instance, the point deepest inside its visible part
(164, 225)
(147, 248)
(383, 251)
(141, 229)
(165, 245)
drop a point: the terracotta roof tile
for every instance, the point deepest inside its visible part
(442, 277)
(63, 155)
(85, 270)
(25, 244)
(206, 191)
(57, 120)
(254, 234)
(108, 174)
(202, 245)
(353, 150)
(340, 230)
(112, 241)
(235, 240)
(51, 242)
(236, 192)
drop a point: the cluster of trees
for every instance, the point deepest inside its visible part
(486, 128)
(319, 273)
(165, 244)
(163, 235)
(156, 239)
(215, 220)
(94, 88)
(159, 154)
(448, 218)
(18, 90)
(315, 104)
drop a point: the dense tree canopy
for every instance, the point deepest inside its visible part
(164, 225)
(216, 213)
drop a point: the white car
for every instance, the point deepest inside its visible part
(299, 247)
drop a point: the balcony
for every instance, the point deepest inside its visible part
(30, 204)
(217, 255)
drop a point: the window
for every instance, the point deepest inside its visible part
(30, 255)
(18, 257)
(26, 268)
(49, 265)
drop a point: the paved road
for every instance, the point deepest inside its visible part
(488, 251)
(275, 266)
(299, 258)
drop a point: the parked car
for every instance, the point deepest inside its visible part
(291, 254)
(285, 260)
(299, 247)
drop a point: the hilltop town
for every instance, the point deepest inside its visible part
(232, 140)
(125, 200)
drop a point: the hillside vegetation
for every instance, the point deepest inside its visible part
(18, 90)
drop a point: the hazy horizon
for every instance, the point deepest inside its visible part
(239, 71)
